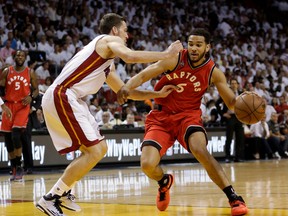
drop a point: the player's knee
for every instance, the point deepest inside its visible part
(146, 165)
(8, 142)
(96, 152)
(199, 149)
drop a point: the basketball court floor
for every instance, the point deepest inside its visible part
(127, 191)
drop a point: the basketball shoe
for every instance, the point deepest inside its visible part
(50, 205)
(68, 201)
(13, 173)
(19, 174)
(238, 206)
(163, 196)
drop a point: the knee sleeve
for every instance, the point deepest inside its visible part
(16, 137)
(8, 142)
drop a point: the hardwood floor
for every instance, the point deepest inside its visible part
(127, 191)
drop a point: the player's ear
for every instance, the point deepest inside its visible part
(208, 46)
(114, 30)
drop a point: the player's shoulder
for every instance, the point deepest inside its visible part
(217, 75)
(110, 38)
(217, 72)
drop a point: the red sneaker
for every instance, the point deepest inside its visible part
(238, 207)
(163, 196)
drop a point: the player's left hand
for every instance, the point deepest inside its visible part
(27, 100)
(166, 90)
(122, 95)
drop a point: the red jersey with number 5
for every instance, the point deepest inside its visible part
(192, 82)
(17, 85)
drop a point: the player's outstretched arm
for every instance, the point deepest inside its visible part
(145, 94)
(146, 74)
(219, 79)
(117, 46)
(115, 83)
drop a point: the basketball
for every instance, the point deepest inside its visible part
(249, 108)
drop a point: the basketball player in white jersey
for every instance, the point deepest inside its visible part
(70, 124)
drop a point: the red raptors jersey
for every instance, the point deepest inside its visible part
(192, 81)
(17, 84)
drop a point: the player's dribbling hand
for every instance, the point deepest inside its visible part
(122, 95)
(175, 48)
(166, 90)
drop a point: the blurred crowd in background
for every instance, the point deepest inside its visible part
(249, 44)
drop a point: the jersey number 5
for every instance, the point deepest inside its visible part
(182, 85)
(17, 85)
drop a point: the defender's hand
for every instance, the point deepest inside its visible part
(122, 95)
(174, 48)
(166, 90)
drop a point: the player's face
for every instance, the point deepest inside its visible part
(122, 32)
(197, 48)
(20, 58)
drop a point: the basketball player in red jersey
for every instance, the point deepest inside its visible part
(67, 116)
(179, 115)
(17, 82)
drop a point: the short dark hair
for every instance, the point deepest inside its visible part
(202, 32)
(20, 51)
(234, 79)
(108, 21)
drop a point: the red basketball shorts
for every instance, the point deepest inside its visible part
(162, 128)
(20, 114)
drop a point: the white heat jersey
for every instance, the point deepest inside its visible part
(68, 119)
(84, 76)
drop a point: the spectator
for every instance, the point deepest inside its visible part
(67, 55)
(56, 58)
(44, 46)
(13, 41)
(42, 72)
(211, 94)
(260, 133)
(3, 36)
(269, 109)
(277, 141)
(152, 84)
(104, 108)
(130, 120)
(120, 69)
(212, 114)
(94, 105)
(43, 87)
(282, 106)
(6, 51)
(32, 44)
(105, 123)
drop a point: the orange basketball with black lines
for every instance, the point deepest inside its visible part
(249, 108)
